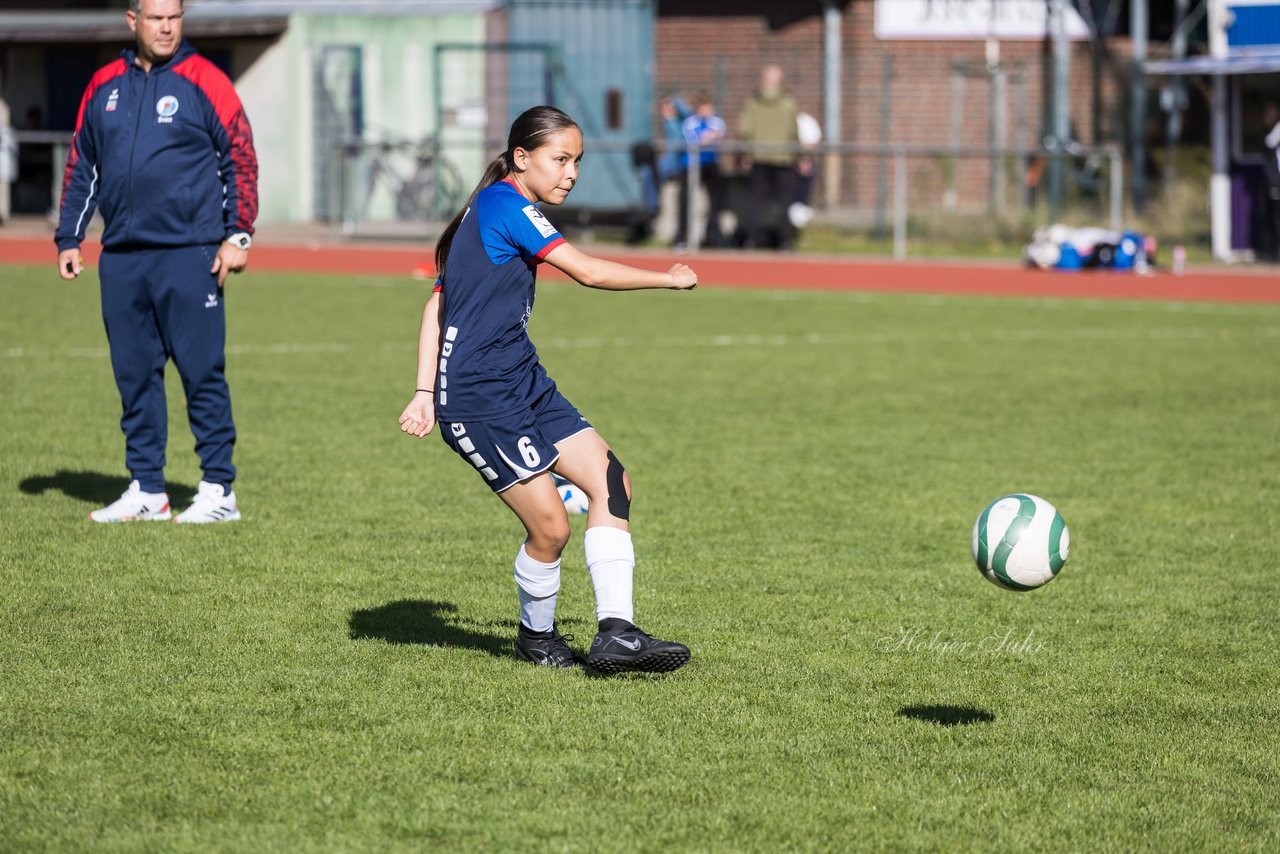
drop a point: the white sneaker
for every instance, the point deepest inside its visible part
(135, 506)
(212, 504)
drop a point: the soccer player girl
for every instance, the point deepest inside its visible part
(479, 375)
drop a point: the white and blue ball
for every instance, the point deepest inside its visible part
(1020, 542)
(575, 500)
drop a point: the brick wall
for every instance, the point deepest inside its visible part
(899, 92)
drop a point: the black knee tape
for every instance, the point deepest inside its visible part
(619, 501)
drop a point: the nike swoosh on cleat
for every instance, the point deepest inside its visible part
(632, 645)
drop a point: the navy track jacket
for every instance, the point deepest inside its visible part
(167, 156)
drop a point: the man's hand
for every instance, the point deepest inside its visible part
(231, 259)
(69, 263)
(419, 416)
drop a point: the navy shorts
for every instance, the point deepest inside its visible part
(518, 445)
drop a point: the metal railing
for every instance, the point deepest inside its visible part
(1076, 160)
(896, 188)
(21, 144)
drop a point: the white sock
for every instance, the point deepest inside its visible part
(537, 584)
(612, 562)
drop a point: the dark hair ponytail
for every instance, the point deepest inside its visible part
(529, 131)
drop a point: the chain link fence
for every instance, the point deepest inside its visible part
(901, 193)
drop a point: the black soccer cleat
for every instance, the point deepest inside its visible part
(621, 647)
(546, 649)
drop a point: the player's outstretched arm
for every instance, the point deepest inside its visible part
(610, 276)
(420, 415)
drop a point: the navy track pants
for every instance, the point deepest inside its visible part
(160, 304)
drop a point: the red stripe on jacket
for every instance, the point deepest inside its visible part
(244, 162)
(101, 77)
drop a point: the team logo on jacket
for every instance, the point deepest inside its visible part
(112, 99)
(165, 108)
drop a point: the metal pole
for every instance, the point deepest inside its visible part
(8, 155)
(1061, 127)
(437, 86)
(60, 154)
(886, 84)
(1138, 21)
(338, 214)
(899, 207)
(1220, 183)
(1095, 80)
(693, 174)
(1177, 95)
(1117, 189)
(1020, 131)
(832, 99)
(951, 198)
(999, 129)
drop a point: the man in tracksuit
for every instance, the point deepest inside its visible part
(163, 150)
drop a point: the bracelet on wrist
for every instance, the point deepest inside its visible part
(425, 390)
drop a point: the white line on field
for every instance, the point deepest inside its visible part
(993, 334)
(812, 339)
(1051, 303)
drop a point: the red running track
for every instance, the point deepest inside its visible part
(771, 270)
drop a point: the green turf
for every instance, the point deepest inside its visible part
(333, 673)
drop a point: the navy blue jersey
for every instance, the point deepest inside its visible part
(488, 366)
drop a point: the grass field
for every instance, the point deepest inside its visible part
(333, 673)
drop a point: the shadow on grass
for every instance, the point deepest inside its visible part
(947, 715)
(411, 621)
(94, 487)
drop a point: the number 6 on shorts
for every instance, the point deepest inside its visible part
(528, 451)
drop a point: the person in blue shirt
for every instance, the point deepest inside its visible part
(672, 110)
(480, 377)
(706, 130)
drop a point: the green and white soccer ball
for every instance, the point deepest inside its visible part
(1020, 542)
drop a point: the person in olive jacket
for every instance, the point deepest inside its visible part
(769, 120)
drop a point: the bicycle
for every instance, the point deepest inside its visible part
(431, 191)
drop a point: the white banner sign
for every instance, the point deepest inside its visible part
(971, 19)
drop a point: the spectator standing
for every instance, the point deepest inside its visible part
(1270, 202)
(769, 119)
(673, 110)
(706, 130)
